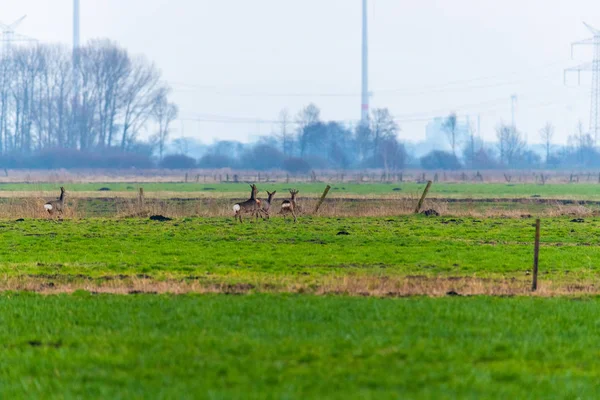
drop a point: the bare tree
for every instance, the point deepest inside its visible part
(383, 134)
(164, 113)
(84, 132)
(383, 127)
(472, 148)
(182, 145)
(547, 133)
(111, 68)
(29, 65)
(450, 127)
(139, 95)
(311, 114)
(392, 154)
(583, 143)
(510, 143)
(6, 83)
(306, 118)
(364, 141)
(38, 108)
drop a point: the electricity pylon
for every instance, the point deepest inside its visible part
(9, 36)
(594, 66)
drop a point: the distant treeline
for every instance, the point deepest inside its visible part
(60, 109)
(307, 142)
(97, 100)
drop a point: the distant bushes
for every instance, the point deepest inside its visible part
(216, 161)
(71, 159)
(177, 161)
(296, 165)
(440, 160)
(262, 157)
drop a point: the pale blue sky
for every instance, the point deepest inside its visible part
(248, 59)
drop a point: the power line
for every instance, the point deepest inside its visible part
(406, 91)
(238, 93)
(481, 78)
(425, 116)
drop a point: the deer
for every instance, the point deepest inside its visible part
(265, 206)
(56, 205)
(289, 206)
(252, 205)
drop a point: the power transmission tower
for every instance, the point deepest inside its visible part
(9, 36)
(75, 25)
(594, 66)
(364, 112)
(76, 51)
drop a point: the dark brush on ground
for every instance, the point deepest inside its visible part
(160, 218)
(430, 213)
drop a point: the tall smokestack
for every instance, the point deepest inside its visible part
(75, 68)
(75, 25)
(365, 68)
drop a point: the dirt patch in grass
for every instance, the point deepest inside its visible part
(381, 286)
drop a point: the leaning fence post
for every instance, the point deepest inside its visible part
(141, 199)
(536, 254)
(423, 197)
(322, 198)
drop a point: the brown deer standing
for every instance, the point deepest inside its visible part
(289, 206)
(266, 205)
(56, 205)
(250, 206)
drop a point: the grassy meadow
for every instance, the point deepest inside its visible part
(278, 255)
(490, 191)
(265, 346)
(361, 301)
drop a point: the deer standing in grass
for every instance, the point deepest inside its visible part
(265, 206)
(289, 206)
(250, 206)
(56, 205)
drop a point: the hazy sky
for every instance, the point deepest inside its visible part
(239, 61)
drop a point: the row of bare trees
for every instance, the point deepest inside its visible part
(374, 144)
(101, 97)
(511, 148)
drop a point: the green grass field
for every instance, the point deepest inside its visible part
(297, 347)
(218, 249)
(583, 191)
(279, 339)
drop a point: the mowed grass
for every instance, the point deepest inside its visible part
(583, 191)
(297, 347)
(220, 249)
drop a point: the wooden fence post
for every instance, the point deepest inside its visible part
(141, 199)
(536, 254)
(322, 198)
(423, 197)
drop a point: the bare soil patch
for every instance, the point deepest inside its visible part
(418, 285)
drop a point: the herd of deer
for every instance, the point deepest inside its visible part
(258, 207)
(253, 205)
